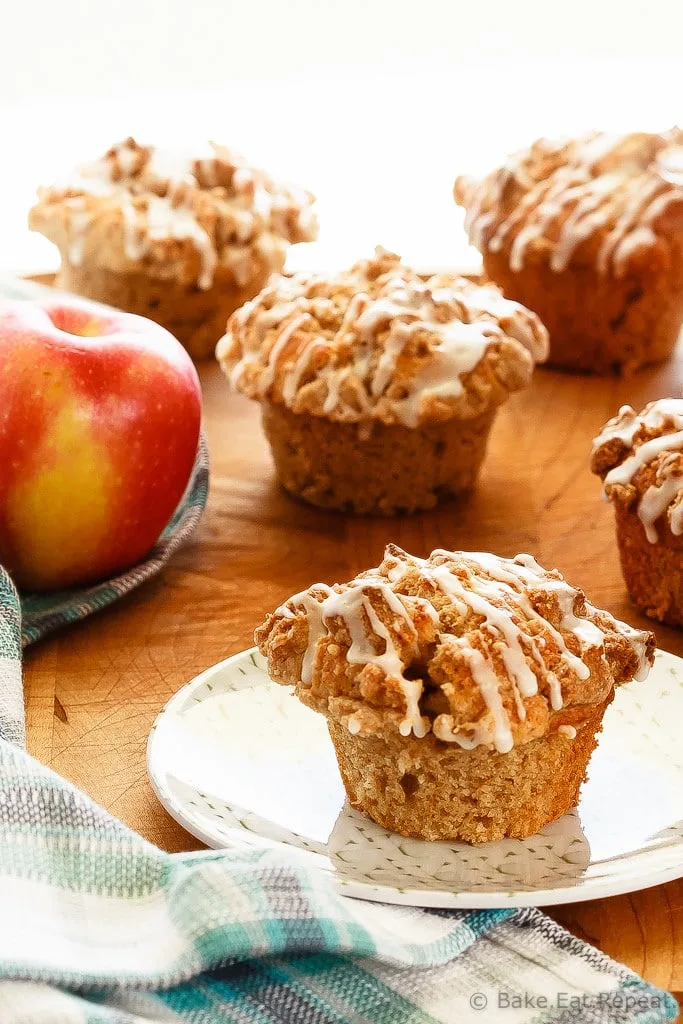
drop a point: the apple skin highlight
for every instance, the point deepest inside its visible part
(99, 426)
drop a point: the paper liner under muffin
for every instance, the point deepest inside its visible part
(374, 468)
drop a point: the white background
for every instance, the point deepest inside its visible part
(374, 105)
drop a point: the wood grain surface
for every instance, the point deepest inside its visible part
(93, 691)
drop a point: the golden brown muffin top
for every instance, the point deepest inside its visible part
(600, 198)
(475, 648)
(379, 342)
(640, 459)
(174, 215)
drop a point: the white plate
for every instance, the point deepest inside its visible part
(237, 759)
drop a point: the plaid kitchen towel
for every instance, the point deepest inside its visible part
(97, 925)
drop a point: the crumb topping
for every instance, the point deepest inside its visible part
(640, 459)
(378, 341)
(477, 649)
(607, 195)
(181, 215)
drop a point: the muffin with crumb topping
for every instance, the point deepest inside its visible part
(182, 238)
(639, 457)
(378, 388)
(463, 692)
(589, 234)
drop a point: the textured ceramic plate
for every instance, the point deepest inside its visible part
(237, 759)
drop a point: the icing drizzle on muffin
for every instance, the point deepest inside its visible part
(380, 342)
(640, 459)
(477, 649)
(160, 205)
(610, 191)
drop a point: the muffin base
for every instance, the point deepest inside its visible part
(196, 318)
(392, 470)
(653, 573)
(431, 790)
(599, 324)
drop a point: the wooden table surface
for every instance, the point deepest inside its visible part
(93, 691)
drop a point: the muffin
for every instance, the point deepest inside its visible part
(378, 388)
(639, 457)
(589, 234)
(463, 692)
(184, 239)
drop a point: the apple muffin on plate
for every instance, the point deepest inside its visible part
(378, 388)
(183, 239)
(639, 457)
(463, 692)
(589, 234)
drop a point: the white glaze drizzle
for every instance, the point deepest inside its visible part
(629, 192)
(127, 158)
(80, 218)
(658, 497)
(498, 591)
(637, 214)
(263, 217)
(670, 164)
(479, 594)
(667, 490)
(486, 679)
(627, 422)
(178, 166)
(167, 221)
(279, 346)
(348, 605)
(133, 246)
(635, 638)
(460, 320)
(644, 453)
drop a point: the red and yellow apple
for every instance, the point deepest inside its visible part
(99, 426)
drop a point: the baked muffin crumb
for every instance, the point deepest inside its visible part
(378, 342)
(603, 197)
(639, 457)
(587, 232)
(180, 215)
(181, 237)
(472, 647)
(379, 388)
